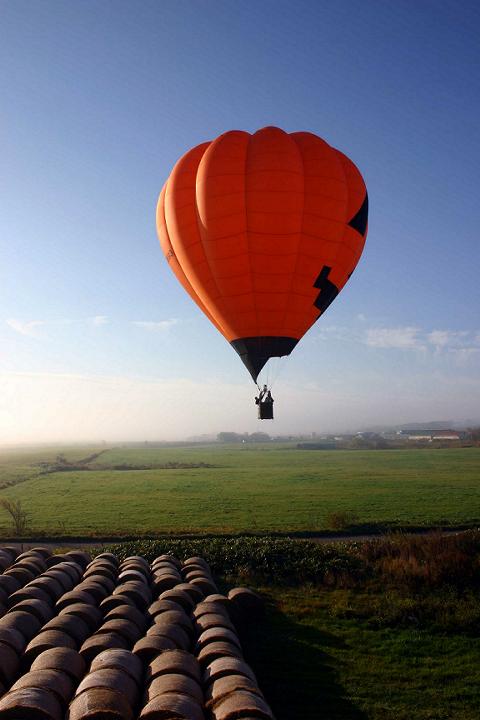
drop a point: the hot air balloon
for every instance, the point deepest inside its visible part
(263, 231)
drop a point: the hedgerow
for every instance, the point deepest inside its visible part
(405, 562)
(263, 559)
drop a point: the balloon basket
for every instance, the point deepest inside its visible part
(265, 411)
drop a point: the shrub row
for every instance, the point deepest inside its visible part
(402, 561)
(264, 559)
(425, 561)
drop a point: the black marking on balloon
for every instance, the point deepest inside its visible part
(328, 291)
(256, 351)
(359, 221)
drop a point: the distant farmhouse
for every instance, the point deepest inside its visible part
(436, 435)
(417, 435)
(448, 435)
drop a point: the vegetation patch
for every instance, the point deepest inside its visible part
(341, 520)
(406, 564)
(255, 559)
(62, 464)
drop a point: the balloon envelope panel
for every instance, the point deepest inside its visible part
(263, 231)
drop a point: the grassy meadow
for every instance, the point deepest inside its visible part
(312, 660)
(235, 489)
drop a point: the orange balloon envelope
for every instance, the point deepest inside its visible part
(263, 231)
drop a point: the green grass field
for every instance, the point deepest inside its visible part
(312, 663)
(271, 488)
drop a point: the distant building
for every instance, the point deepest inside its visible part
(397, 436)
(446, 435)
(432, 435)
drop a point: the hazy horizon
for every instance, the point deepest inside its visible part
(128, 410)
(98, 339)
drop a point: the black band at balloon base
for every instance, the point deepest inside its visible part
(255, 352)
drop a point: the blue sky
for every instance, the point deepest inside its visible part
(98, 340)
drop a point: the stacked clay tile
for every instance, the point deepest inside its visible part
(113, 683)
(44, 667)
(88, 639)
(172, 674)
(230, 687)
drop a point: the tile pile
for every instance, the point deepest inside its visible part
(95, 638)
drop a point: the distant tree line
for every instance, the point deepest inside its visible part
(368, 441)
(475, 434)
(232, 437)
